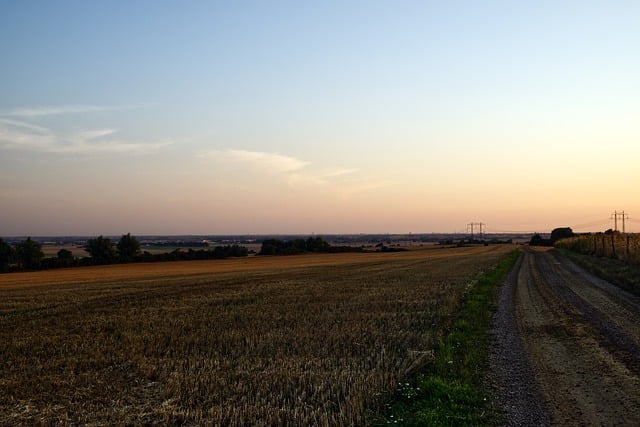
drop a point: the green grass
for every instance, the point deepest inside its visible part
(451, 391)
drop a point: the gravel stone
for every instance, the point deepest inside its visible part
(516, 392)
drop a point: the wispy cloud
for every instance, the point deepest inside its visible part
(339, 172)
(94, 142)
(95, 134)
(56, 110)
(19, 130)
(23, 125)
(270, 162)
(15, 134)
(18, 134)
(295, 172)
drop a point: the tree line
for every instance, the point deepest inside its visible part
(28, 254)
(300, 246)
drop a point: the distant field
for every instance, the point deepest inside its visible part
(171, 269)
(50, 250)
(310, 339)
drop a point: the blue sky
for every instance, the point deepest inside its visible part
(293, 117)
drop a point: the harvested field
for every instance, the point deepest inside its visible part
(305, 340)
(118, 272)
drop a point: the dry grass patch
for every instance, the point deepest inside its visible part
(622, 246)
(296, 340)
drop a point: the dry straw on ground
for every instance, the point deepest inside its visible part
(271, 341)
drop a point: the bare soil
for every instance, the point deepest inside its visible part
(579, 340)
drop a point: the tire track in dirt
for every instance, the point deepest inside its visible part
(581, 336)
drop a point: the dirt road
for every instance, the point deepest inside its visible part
(573, 354)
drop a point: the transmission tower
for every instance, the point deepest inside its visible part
(615, 215)
(472, 224)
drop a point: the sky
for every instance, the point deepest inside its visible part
(273, 117)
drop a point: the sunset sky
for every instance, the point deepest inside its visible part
(258, 117)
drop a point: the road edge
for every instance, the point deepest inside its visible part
(515, 390)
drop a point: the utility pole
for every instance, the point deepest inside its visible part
(472, 224)
(615, 215)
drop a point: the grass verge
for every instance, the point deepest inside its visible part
(619, 273)
(451, 391)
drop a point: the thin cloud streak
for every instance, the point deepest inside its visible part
(109, 147)
(270, 162)
(56, 110)
(20, 139)
(340, 172)
(20, 135)
(89, 135)
(21, 124)
(296, 172)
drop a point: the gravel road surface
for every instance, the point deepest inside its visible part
(567, 347)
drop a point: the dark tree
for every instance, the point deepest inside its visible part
(65, 254)
(5, 255)
(270, 246)
(101, 249)
(65, 258)
(28, 254)
(317, 244)
(128, 247)
(561, 233)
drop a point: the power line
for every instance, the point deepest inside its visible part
(615, 215)
(592, 224)
(472, 224)
(483, 229)
(517, 232)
